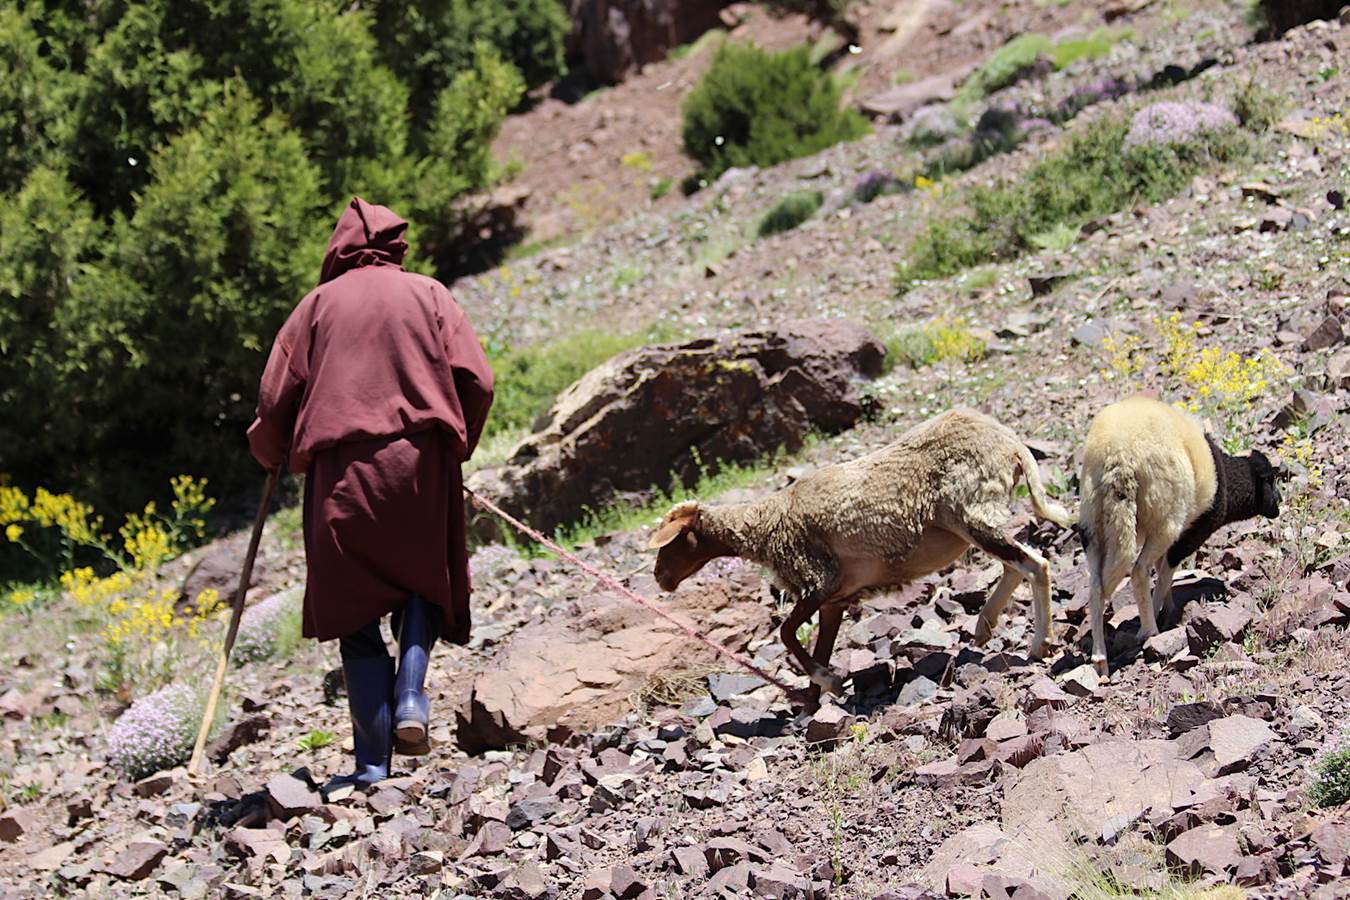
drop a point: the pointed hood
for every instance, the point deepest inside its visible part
(366, 235)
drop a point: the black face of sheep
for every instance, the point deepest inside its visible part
(682, 549)
(1265, 479)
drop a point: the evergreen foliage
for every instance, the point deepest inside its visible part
(788, 213)
(172, 171)
(755, 108)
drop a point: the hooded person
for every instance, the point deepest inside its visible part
(376, 390)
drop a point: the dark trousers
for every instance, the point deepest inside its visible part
(368, 643)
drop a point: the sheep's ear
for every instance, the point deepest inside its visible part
(683, 516)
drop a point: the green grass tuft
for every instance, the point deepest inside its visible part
(788, 213)
(528, 379)
(1094, 46)
(1092, 176)
(712, 482)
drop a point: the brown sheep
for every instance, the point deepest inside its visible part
(879, 521)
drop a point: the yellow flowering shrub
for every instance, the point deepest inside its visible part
(1122, 357)
(640, 160)
(928, 186)
(144, 627)
(1221, 384)
(1228, 380)
(21, 597)
(1178, 341)
(941, 340)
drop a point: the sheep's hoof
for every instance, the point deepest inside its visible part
(983, 632)
(829, 682)
(1099, 663)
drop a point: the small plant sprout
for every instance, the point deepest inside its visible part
(315, 740)
(1331, 780)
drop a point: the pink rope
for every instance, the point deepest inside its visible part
(611, 583)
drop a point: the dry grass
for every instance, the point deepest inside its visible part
(669, 689)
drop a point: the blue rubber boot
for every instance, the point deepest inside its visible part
(417, 628)
(370, 694)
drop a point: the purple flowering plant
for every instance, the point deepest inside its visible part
(270, 628)
(156, 732)
(1177, 122)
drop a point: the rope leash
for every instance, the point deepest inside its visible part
(610, 582)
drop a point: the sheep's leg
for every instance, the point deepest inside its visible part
(1162, 592)
(1030, 565)
(831, 616)
(997, 602)
(1097, 611)
(821, 676)
(1102, 585)
(1139, 580)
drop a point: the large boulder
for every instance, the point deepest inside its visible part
(648, 414)
(615, 37)
(577, 669)
(218, 567)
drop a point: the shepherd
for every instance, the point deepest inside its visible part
(376, 390)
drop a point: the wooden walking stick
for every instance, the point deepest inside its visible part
(235, 613)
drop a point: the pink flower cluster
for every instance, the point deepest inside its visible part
(1174, 122)
(156, 732)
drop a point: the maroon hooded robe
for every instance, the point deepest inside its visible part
(378, 389)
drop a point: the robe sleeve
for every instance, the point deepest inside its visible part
(472, 374)
(282, 386)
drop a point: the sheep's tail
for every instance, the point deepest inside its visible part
(1044, 506)
(1113, 516)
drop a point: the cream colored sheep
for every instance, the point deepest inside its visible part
(1154, 488)
(882, 520)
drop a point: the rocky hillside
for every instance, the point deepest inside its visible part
(583, 749)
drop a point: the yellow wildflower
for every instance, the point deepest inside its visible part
(22, 597)
(13, 504)
(13, 533)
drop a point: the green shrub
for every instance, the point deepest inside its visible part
(32, 97)
(427, 43)
(467, 117)
(1256, 106)
(941, 340)
(661, 188)
(788, 213)
(1009, 63)
(1331, 784)
(757, 108)
(1091, 176)
(47, 237)
(175, 320)
(173, 169)
(1094, 46)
